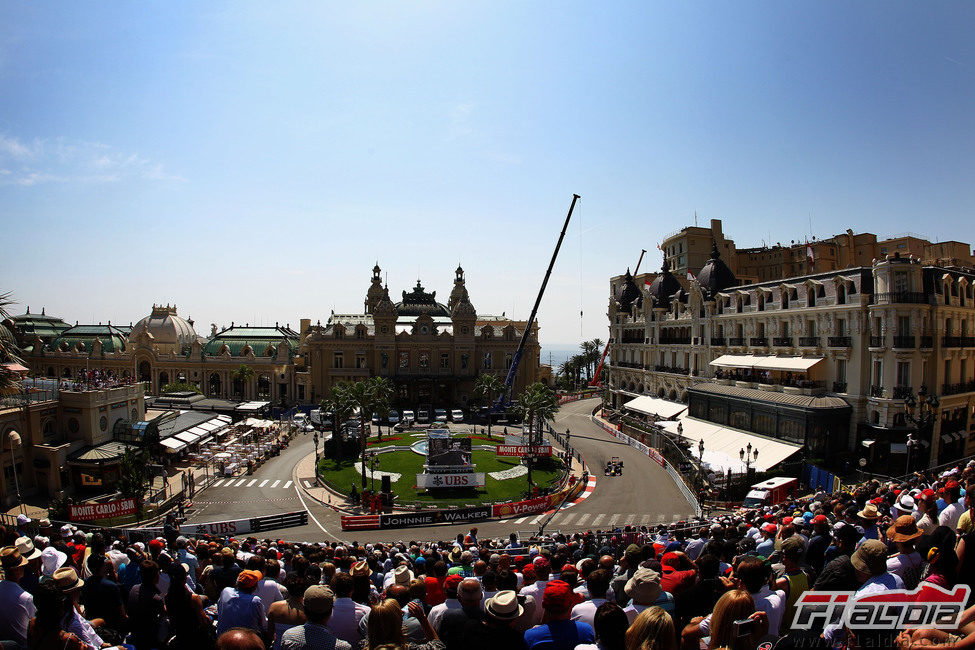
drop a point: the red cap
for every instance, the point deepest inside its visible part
(951, 485)
(787, 521)
(877, 500)
(928, 495)
(569, 567)
(156, 544)
(897, 492)
(453, 581)
(820, 519)
(558, 595)
(670, 558)
(769, 528)
(769, 518)
(541, 562)
(529, 573)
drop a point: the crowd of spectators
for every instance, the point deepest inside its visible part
(730, 581)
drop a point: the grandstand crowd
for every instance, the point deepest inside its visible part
(729, 581)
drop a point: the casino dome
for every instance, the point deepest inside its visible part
(663, 287)
(715, 276)
(166, 327)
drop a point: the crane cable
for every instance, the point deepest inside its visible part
(581, 296)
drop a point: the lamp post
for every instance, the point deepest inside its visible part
(373, 465)
(922, 411)
(13, 438)
(746, 456)
(315, 439)
(911, 444)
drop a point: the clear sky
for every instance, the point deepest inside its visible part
(251, 162)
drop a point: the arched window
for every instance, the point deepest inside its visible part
(215, 384)
(841, 294)
(264, 386)
(163, 378)
(785, 298)
(145, 371)
(811, 297)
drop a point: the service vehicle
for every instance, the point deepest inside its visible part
(771, 491)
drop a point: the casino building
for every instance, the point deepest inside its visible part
(431, 352)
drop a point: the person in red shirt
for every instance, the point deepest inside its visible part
(434, 584)
(678, 572)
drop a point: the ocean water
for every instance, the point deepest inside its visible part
(558, 353)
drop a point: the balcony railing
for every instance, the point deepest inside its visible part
(876, 391)
(839, 341)
(782, 341)
(954, 389)
(904, 342)
(736, 341)
(927, 341)
(759, 341)
(717, 340)
(809, 341)
(902, 392)
(958, 341)
(675, 340)
(671, 369)
(876, 341)
(909, 297)
(839, 386)
(628, 364)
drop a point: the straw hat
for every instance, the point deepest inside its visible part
(26, 548)
(504, 606)
(403, 575)
(869, 512)
(904, 529)
(10, 558)
(644, 586)
(66, 579)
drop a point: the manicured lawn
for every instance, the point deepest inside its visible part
(342, 474)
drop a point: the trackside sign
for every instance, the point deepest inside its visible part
(107, 510)
(459, 515)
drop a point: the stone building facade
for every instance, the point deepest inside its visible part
(431, 352)
(858, 341)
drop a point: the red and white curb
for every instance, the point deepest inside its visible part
(586, 491)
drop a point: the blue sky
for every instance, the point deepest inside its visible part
(250, 162)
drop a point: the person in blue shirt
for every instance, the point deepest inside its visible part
(559, 632)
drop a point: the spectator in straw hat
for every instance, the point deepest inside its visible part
(68, 583)
(32, 572)
(495, 630)
(906, 563)
(868, 518)
(16, 605)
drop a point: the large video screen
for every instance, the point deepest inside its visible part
(448, 451)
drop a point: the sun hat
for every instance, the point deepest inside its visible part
(904, 529)
(644, 586)
(23, 520)
(318, 599)
(360, 570)
(905, 503)
(869, 512)
(66, 579)
(44, 523)
(402, 575)
(51, 560)
(454, 555)
(870, 557)
(66, 530)
(10, 558)
(504, 606)
(26, 548)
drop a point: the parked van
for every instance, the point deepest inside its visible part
(771, 491)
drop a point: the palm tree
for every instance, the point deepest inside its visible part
(9, 353)
(240, 377)
(382, 392)
(540, 402)
(340, 405)
(367, 396)
(579, 361)
(489, 385)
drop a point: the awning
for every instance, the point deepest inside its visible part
(209, 425)
(252, 406)
(15, 367)
(725, 443)
(946, 438)
(206, 440)
(187, 436)
(660, 408)
(172, 445)
(761, 362)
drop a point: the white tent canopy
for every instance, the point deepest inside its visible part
(724, 443)
(660, 408)
(760, 362)
(172, 445)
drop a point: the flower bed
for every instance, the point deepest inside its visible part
(383, 441)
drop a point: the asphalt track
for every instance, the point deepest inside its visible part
(644, 495)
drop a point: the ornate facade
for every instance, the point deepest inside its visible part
(431, 352)
(862, 340)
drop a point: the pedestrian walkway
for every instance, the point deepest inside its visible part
(248, 482)
(599, 520)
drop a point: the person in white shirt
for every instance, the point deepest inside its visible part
(906, 563)
(951, 512)
(537, 589)
(16, 605)
(346, 613)
(268, 588)
(696, 545)
(450, 589)
(598, 583)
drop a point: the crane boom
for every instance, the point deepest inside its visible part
(516, 359)
(595, 376)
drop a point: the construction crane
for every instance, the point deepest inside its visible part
(595, 377)
(504, 400)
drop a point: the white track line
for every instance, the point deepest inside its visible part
(275, 484)
(217, 483)
(312, 517)
(264, 482)
(240, 482)
(614, 519)
(583, 518)
(599, 518)
(286, 485)
(252, 483)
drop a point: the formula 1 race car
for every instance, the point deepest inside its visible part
(614, 467)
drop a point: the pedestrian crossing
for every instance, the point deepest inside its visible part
(575, 520)
(247, 482)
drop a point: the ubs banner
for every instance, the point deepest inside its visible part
(459, 480)
(434, 517)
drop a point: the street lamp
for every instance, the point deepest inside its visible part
(911, 444)
(700, 449)
(316, 450)
(373, 464)
(746, 457)
(14, 439)
(922, 411)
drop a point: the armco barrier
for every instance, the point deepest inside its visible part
(362, 522)
(234, 527)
